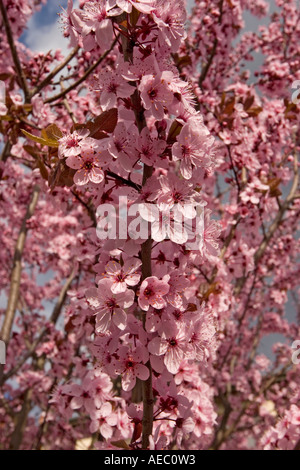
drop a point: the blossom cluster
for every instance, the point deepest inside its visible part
(150, 338)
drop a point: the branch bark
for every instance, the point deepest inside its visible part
(53, 319)
(14, 52)
(54, 72)
(16, 273)
(84, 76)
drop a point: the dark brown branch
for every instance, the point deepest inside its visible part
(84, 76)
(133, 185)
(53, 319)
(17, 435)
(54, 72)
(16, 273)
(14, 53)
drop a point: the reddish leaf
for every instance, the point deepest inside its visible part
(174, 132)
(105, 123)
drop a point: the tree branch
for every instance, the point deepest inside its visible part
(54, 72)
(84, 76)
(16, 273)
(14, 53)
(53, 319)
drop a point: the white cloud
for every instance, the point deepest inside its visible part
(47, 37)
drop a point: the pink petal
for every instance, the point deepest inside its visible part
(142, 372)
(128, 381)
(81, 177)
(96, 175)
(120, 318)
(92, 297)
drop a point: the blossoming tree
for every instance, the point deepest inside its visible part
(149, 214)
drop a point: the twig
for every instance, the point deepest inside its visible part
(54, 72)
(53, 319)
(84, 76)
(14, 53)
(16, 273)
(133, 185)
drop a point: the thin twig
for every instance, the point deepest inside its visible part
(84, 76)
(54, 72)
(14, 53)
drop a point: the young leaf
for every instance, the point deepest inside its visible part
(40, 140)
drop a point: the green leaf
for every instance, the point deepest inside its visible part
(40, 140)
(52, 132)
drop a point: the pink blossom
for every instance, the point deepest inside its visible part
(179, 193)
(165, 223)
(3, 109)
(122, 145)
(173, 346)
(145, 6)
(156, 93)
(112, 86)
(130, 367)
(170, 20)
(194, 148)
(89, 165)
(209, 231)
(96, 25)
(123, 276)
(152, 292)
(149, 148)
(103, 421)
(72, 144)
(108, 306)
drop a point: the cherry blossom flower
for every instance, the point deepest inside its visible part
(96, 25)
(72, 144)
(122, 145)
(90, 394)
(112, 86)
(152, 291)
(103, 421)
(170, 21)
(145, 6)
(149, 149)
(177, 192)
(3, 109)
(123, 276)
(165, 223)
(108, 306)
(130, 367)
(156, 93)
(71, 23)
(89, 165)
(209, 231)
(201, 335)
(178, 283)
(194, 147)
(173, 346)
